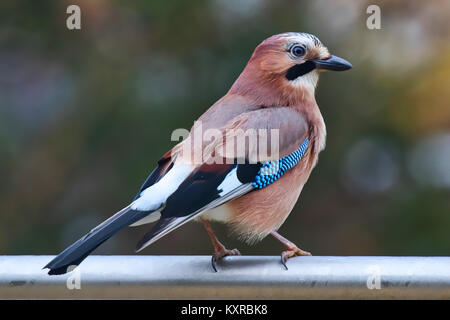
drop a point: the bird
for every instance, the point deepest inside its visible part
(253, 189)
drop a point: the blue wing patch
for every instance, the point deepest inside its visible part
(272, 170)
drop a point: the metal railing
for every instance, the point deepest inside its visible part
(242, 277)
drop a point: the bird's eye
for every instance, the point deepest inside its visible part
(298, 51)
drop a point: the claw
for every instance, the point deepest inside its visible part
(283, 261)
(220, 254)
(213, 263)
(285, 255)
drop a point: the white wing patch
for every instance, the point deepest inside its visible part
(156, 195)
(230, 183)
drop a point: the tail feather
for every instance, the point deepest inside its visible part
(78, 251)
(162, 227)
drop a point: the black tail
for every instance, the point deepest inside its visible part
(79, 250)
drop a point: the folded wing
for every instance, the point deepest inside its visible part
(211, 185)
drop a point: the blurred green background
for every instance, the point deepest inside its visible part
(85, 115)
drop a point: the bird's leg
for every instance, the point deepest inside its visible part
(219, 249)
(292, 249)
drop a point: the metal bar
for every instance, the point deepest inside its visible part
(242, 277)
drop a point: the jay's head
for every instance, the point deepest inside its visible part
(290, 63)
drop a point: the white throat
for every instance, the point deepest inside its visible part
(307, 81)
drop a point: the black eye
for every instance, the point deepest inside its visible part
(298, 51)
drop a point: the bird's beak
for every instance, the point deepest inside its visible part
(332, 63)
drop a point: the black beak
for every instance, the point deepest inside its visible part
(332, 63)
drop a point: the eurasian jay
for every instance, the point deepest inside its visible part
(253, 191)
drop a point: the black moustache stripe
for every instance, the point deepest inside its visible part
(299, 70)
